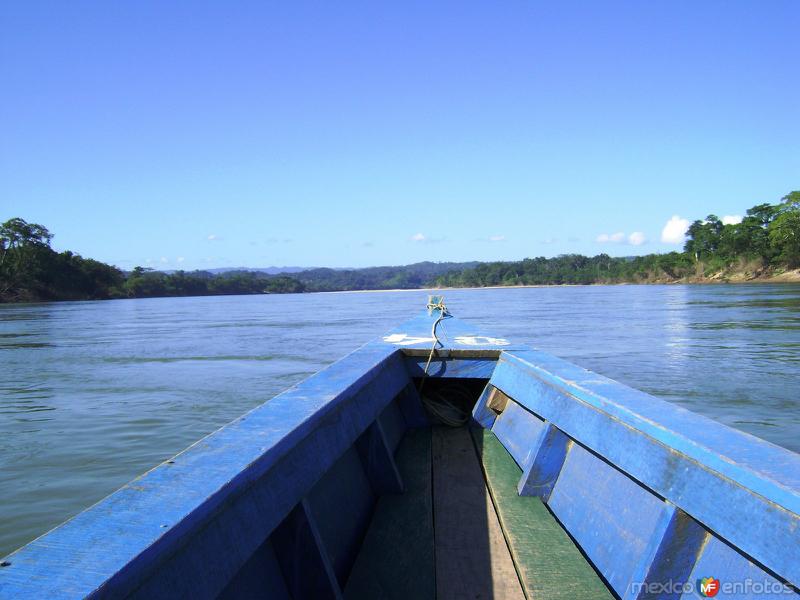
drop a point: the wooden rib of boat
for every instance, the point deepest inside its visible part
(560, 484)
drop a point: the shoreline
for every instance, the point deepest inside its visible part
(785, 278)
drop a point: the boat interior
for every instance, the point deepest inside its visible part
(442, 497)
(438, 516)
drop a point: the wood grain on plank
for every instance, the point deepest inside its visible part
(549, 563)
(472, 558)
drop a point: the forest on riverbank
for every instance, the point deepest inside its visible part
(765, 243)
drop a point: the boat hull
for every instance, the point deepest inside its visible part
(278, 503)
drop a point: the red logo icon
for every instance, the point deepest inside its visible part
(709, 587)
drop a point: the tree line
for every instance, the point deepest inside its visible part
(765, 241)
(31, 271)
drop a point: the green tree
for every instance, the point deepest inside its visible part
(784, 230)
(703, 237)
(23, 248)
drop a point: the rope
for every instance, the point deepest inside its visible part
(442, 314)
(434, 303)
(438, 403)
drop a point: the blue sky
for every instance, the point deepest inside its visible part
(199, 134)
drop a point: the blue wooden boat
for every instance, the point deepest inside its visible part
(440, 462)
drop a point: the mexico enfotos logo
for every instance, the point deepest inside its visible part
(709, 587)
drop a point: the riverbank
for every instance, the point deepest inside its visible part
(792, 276)
(742, 276)
(721, 278)
(160, 285)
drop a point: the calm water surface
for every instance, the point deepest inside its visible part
(94, 393)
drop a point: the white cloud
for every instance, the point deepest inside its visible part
(674, 231)
(615, 238)
(731, 219)
(497, 238)
(180, 259)
(164, 260)
(424, 239)
(213, 237)
(637, 238)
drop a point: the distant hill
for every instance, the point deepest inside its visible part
(266, 270)
(417, 275)
(326, 279)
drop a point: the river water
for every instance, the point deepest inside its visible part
(94, 393)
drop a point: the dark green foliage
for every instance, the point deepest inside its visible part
(573, 269)
(769, 236)
(31, 270)
(144, 283)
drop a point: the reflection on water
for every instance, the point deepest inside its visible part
(94, 393)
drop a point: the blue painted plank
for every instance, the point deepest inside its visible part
(608, 514)
(541, 471)
(410, 405)
(518, 429)
(481, 413)
(670, 557)
(341, 504)
(377, 459)
(744, 506)
(455, 334)
(452, 367)
(738, 576)
(260, 575)
(769, 470)
(307, 569)
(393, 425)
(242, 479)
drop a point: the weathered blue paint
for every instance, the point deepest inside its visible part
(669, 557)
(219, 500)
(451, 367)
(377, 459)
(261, 572)
(481, 413)
(744, 578)
(453, 334)
(747, 507)
(341, 503)
(393, 425)
(307, 569)
(762, 466)
(540, 473)
(410, 405)
(630, 477)
(610, 515)
(517, 428)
